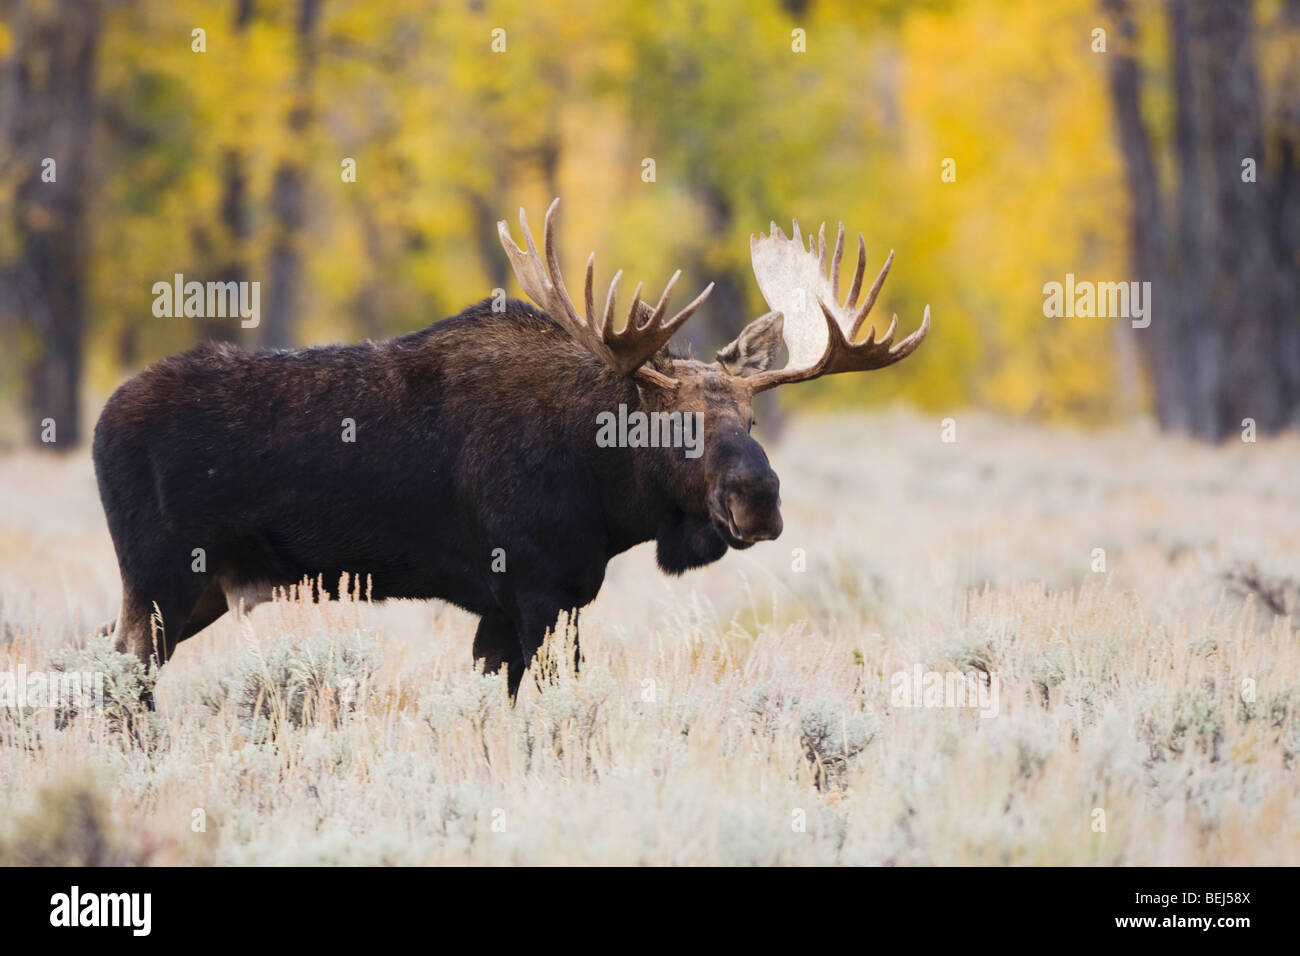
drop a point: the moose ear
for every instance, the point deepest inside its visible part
(755, 348)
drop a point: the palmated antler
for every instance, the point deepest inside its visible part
(822, 337)
(645, 331)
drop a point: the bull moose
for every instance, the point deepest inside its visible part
(475, 475)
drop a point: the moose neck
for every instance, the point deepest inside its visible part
(648, 463)
(628, 461)
(544, 398)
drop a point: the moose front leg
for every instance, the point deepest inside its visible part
(577, 646)
(496, 642)
(538, 614)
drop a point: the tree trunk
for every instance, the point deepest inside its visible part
(234, 221)
(1224, 340)
(288, 201)
(49, 114)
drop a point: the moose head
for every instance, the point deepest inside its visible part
(732, 479)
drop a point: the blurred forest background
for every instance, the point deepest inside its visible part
(1115, 157)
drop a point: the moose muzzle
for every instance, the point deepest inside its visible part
(747, 507)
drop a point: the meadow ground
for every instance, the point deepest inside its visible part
(1147, 711)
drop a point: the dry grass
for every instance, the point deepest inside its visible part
(741, 714)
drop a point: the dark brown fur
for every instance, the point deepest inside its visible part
(476, 434)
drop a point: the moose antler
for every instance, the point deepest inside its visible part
(792, 279)
(626, 351)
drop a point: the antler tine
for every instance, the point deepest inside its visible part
(553, 264)
(655, 332)
(788, 271)
(909, 345)
(625, 351)
(631, 323)
(856, 287)
(525, 266)
(587, 289)
(658, 313)
(889, 332)
(871, 296)
(610, 298)
(528, 235)
(658, 332)
(835, 264)
(689, 309)
(843, 356)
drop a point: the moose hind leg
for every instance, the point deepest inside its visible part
(210, 605)
(133, 633)
(159, 614)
